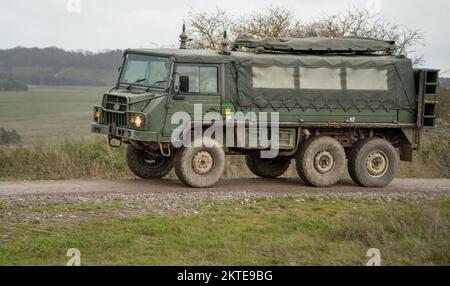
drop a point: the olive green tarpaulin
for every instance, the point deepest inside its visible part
(306, 81)
(346, 44)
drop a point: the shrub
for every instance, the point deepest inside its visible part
(9, 137)
(12, 85)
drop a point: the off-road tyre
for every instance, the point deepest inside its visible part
(192, 173)
(361, 167)
(146, 166)
(310, 157)
(267, 168)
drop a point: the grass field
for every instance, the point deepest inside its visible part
(282, 231)
(45, 114)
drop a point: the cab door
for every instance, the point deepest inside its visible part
(205, 91)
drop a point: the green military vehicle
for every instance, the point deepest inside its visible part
(339, 102)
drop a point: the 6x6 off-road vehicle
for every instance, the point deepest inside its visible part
(340, 102)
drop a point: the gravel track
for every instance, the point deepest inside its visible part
(50, 201)
(402, 187)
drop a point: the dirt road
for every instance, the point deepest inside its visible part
(279, 186)
(63, 202)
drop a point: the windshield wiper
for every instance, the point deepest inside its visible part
(155, 83)
(137, 81)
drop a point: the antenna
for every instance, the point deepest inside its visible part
(224, 43)
(183, 37)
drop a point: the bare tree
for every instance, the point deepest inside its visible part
(206, 28)
(272, 22)
(361, 23)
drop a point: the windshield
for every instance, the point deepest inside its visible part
(145, 71)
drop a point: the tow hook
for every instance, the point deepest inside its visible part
(165, 153)
(111, 140)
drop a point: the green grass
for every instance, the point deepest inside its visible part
(45, 114)
(95, 159)
(289, 231)
(75, 160)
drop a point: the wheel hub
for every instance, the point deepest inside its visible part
(324, 162)
(202, 162)
(377, 164)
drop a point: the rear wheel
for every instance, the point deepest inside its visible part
(321, 161)
(200, 167)
(373, 163)
(267, 168)
(146, 165)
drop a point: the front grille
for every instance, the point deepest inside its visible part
(116, 107)
(116, 103)
(118, 119)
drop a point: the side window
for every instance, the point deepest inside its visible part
(202, 79)
(367, 79)
(320, 78)
(273, 77)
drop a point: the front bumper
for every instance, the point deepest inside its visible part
(124, 133)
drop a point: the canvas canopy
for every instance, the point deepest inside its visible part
(306, 81)
(346, 44)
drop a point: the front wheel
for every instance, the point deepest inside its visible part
(373, 163)
(200, 167)
(147, 166)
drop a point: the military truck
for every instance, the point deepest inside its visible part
(347, 102)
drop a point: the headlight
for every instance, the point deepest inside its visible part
(97, 115)
(137, 120)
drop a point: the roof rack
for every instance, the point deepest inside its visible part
(316, 45)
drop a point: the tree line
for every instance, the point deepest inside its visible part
(54, 66)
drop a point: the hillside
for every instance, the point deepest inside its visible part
(54, 66)
(444, 82)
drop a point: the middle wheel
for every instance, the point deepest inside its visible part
(321, 161)
(200, 167)
(267, 168)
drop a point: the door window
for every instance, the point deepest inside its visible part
(202, 79)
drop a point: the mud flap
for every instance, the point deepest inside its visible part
(406, 152)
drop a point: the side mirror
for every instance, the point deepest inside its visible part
(181, 84)
(119, 69)
(184, 83)
(176, 84)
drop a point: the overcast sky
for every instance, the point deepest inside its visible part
(117, 24)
